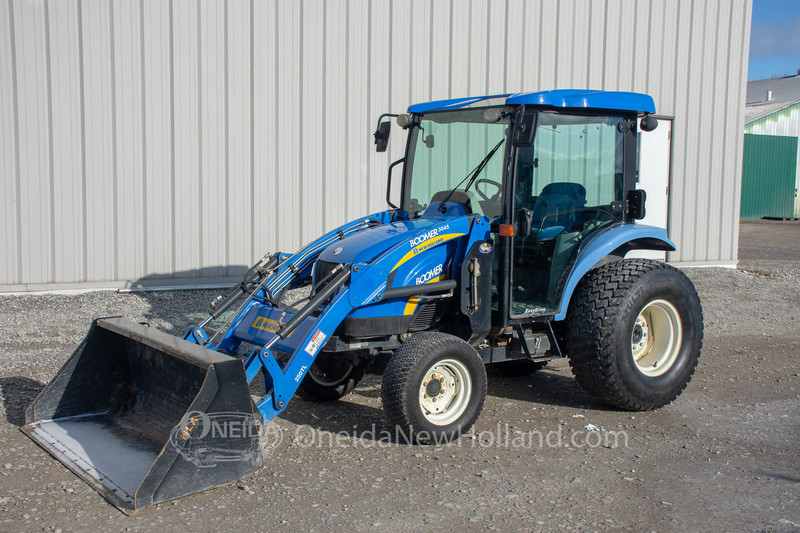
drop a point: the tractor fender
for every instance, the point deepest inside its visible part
(618, 241)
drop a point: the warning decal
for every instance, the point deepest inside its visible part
(316, 342)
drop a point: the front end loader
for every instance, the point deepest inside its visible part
(508, 248)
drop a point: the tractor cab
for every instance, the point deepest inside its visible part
(551, 171)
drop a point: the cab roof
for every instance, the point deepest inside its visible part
(563, 98)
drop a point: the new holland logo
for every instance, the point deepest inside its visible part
(266, 324)
(337, 251)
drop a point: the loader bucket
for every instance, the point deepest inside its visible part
(145, 417)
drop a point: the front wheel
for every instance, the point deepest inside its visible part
(330, 378)
(434, 387)
(635, 333)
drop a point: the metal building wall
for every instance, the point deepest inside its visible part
(147, 140)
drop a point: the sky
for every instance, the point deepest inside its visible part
(774, 39)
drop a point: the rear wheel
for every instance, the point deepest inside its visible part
(434, 387)
(330, 378)
(635, 333)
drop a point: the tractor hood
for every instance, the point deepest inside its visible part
(366, 245)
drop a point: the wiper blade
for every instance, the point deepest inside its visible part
(471, 175)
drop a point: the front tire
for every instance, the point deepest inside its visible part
(330, 378)
(434, 387)
(635, 333)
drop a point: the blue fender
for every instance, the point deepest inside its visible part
(644, 237)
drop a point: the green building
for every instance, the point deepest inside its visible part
(771, 160)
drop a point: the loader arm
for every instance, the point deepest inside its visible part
(288, 341)
(289, 269)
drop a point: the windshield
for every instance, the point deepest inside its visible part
(453, 150)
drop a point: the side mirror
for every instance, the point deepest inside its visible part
(636, 199)
(648, 123)
(525, 222)
(524, 126)
(382, 136)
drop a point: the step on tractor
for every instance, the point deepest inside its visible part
(508, 248)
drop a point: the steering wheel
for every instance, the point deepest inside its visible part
(499, 187)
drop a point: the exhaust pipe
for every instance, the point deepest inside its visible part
(145, 417)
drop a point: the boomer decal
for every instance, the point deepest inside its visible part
(430, 274)
(419, 239)
(426, 244)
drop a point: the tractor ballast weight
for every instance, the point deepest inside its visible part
(508, 248)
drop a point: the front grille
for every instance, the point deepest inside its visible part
(428, 315)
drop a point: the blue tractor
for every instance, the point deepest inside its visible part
(508, 247)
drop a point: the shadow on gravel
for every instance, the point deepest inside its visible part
(782, 477)
(361, 421)
(18, 393)
(545, 388)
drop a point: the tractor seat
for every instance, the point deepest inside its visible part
(555, 209)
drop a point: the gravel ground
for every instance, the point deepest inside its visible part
(724, 456)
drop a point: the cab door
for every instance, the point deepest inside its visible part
(567, 187)
(653, 177)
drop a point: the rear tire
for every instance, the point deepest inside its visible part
(330, 378)
(635, 333)
(434, 387)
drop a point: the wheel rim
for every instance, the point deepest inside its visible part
(445, 391)
(656, 338)
(330, 378)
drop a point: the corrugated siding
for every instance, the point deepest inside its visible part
(784, 122)
(185, 138)
(768, 176)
